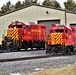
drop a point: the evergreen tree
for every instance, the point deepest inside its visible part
(69, 4)
(35, 1)
(47, 3)
(27, 2)
(3, 9)
(10, 7)
(52, 3)
(23, 3)
(56, 4)
(18, 5)
(6, 7)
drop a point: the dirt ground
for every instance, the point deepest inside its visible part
(67, 70)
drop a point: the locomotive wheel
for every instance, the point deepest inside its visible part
(31, 48)
(18, 49)
(68, 51)
(48, 50)
(25, 49)
(64, 51)
(54, 50)
(73, 51)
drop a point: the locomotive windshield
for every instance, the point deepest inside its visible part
(19, 26)
(59, 30)
(16, 26)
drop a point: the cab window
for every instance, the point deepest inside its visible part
(19, 26)
(55, 30)
(59, 30)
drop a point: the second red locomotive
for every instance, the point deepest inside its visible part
(62, 39)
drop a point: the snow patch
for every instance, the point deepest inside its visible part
(15, 74)
(38, 69)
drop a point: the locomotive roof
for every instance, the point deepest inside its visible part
(69, 27)
(59, 25)
(22, 23)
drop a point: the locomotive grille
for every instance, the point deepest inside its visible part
(56, 38)
(13, 34)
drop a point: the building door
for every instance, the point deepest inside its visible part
(48, 23)
(73, 24)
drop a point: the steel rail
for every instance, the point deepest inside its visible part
(19, 51)
(31, 58)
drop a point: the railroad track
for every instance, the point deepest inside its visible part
(7, 51)
(34, 57)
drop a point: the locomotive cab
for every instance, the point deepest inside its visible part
(14, 35)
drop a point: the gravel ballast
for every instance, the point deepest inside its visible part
(22, 54)
(29, 66)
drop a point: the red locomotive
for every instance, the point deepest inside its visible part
(62, 39)
(24, 36)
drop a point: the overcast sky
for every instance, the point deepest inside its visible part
(14, 1)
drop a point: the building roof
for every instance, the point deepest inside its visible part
(67, 11)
